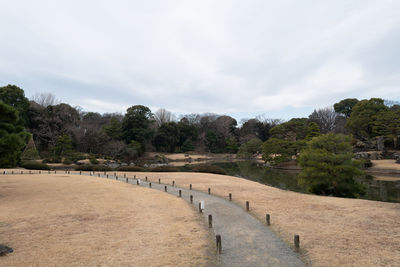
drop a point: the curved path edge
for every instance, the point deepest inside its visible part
(246, 241)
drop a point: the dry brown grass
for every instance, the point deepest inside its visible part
(385, 164)
(69, 220)
(386, 178)
(333, 231)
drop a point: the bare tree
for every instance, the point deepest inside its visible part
(190, 119)
(45, 99)
(265, 120)
(325, 118)
(163, 116)
(225, 125)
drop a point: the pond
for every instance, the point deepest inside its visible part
(376, 190)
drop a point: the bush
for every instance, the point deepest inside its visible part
(93, 161)
(67, 161)
(131, 169)
(52, 160)
(165, 169)
(207, 168)
(34, 165)
(91, 168)
(366, 163)
(75, 156)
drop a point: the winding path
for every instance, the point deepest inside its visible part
(245, 240)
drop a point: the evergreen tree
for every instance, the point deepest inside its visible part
(13, 136)
(328, 167)
(30, 152)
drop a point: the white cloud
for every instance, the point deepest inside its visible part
(202, 56)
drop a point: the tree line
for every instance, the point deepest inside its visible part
(58, 129)
(45, 128)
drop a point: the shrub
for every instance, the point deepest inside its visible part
(93, 161)
(165, 169)
(131, 169)
(93, 168)
(67, 161)
(75, 156)
(207, 168)
(34, 165)
(366, 163)
(52, 160)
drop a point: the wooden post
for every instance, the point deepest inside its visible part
(55, 172)
(180, 193)
(107, 176)
(209, 190)
(150, 184)
(159, 180)
(134, 177)
(124, 175)
(146, 178)
(80, 172)
(297, 242)
(230, 196)
(200, 210)
(268, 219)
(191, 199)
(165, 188)
(12, 172)
(104, 173)
(173, 183)
(40, 172)
(126, 180)
(247, 206)
(219, 243)
(22, 172)
(190, 186)
(116, 177)
(209, 221)
(98, 175)
(115, 174)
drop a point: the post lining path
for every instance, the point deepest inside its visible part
(246, 241)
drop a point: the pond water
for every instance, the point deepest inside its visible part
(376, 190)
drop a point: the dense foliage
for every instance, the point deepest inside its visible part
(34, 165)
(329, 168)
(62, 133)
(13, 136)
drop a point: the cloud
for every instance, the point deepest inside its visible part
(230, 57)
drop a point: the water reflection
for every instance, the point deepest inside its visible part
(284, 179)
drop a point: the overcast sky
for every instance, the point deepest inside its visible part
(241, 58)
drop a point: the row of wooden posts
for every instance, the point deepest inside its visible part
(218, 237)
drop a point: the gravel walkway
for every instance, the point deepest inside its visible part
(245, 240)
